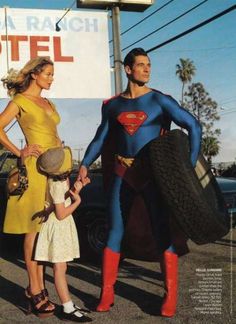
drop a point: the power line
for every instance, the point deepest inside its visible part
(228, 112)
(228, 101)
(200, 49)
(67, 10)
(165, 25)
(205, 22)
(142, 20)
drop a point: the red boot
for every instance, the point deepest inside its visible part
(109, 274)
(170, 265)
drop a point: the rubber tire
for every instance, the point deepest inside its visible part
(199, 210)
(92, 232)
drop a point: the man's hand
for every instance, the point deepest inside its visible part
(82, 176)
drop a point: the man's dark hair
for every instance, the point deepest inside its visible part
(130, 57)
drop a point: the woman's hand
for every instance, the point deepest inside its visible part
(30, 150)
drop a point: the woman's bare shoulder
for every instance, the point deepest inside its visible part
(12, 107)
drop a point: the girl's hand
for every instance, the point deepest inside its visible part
(75, 196)
(86, 181)
(78, 185)
(30, 150)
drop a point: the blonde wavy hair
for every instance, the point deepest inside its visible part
(18, 81)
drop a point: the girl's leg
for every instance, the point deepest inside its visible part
(70, 311)
(60, 281)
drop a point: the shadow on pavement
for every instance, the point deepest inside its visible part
(147, 302)
(12, 250)
(13, 294)
(11, 245)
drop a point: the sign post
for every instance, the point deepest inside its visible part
(127, 5)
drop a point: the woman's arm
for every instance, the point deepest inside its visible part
(6, 117)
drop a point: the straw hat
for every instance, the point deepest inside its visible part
(55, 161)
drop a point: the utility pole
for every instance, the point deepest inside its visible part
(117, 49)
(115, 6)
(79, 150)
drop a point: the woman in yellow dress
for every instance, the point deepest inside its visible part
(38, 120)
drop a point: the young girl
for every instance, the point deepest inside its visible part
(58, 238)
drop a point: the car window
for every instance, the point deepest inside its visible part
(8, 162)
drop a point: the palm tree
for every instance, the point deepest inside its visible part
(185, 71)
(210, 147)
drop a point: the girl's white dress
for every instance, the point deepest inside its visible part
(58, 239)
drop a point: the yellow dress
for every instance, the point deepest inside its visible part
(39, 128)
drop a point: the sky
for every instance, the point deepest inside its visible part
(212, 48)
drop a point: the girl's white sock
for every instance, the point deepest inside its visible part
(68, 307)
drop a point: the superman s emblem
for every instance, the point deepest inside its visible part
(131, 121)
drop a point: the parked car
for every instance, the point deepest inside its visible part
(90, 217)
(228, 189)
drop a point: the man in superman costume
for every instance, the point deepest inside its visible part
(133, 119)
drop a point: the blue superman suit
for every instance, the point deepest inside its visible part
(134, 123)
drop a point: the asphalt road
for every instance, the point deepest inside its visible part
(206, 288)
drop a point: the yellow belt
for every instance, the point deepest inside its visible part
(127, 162)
